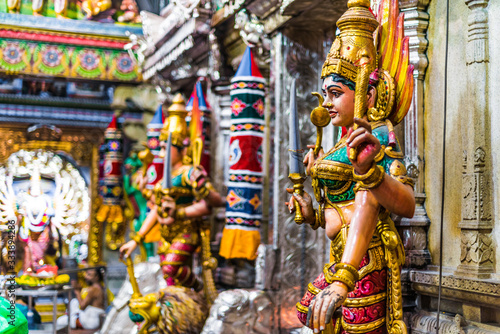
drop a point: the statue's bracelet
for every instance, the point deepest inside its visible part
(138, 238)
(344, 273)
(180, 214)
(350, 268)
(371, 179)
(344, 277)
(319, 214)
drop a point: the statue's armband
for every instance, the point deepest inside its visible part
(397, 170)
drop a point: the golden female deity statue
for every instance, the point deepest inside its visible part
(367, 89)
(178, 202)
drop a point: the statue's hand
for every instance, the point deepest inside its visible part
(324, 305)
(128, 248)
(200, 176)
(168, 206)
(140, 180)
(305, 202)
(310, 158)
(367, 144)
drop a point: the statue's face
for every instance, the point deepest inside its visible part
(339, 101)
(176, 154)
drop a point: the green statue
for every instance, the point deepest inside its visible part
(135, 200)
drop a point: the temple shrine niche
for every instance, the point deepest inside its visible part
(53, 200)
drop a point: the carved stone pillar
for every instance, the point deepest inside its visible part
(477, 252)
(414, 230)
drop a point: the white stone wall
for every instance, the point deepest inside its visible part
(460, 117)
(494, 111)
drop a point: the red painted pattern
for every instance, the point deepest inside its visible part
(62, 39)
(320, 282)
(184, 246)
(380, 330)
(363, 315)
(371, 284)
(306, 300)
(172, 270)
(364, 261)
(302, 317)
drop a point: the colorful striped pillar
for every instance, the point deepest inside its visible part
(111, 189)
(241, 235)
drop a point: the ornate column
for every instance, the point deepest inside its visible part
(95, 239)
(414, 230)
(477, 252)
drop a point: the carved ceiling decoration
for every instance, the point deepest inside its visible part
(300, 27)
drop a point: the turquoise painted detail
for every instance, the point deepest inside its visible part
(340, 155)
(179, 181)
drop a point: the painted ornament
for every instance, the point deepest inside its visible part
(241, 235)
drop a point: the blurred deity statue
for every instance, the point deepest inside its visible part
(49, 209)
(93, 8)
(179, 202)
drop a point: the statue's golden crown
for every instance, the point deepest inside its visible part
(176, 122)
(376, 47)
(354, 46)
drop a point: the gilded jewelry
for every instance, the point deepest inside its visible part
(320, 215)
(180, 214)
(344, 273)
(138, 238)
(349, 268)
(371, 179)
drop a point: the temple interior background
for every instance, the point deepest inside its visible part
(75, 73)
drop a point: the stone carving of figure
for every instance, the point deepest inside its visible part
(240, 311)
(252, 32)
(138, 53)
(97, 9)
(131, 12)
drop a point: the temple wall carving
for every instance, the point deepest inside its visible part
(471, 191)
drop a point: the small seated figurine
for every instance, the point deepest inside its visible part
(98, 10)
(88, 305)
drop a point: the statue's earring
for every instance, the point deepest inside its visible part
(186, 160)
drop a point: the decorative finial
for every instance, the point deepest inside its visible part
(178, 104)
(358, 3)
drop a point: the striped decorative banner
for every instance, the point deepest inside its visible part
(241, 235)
(155, 170)
(198, 121)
